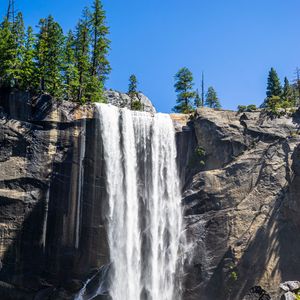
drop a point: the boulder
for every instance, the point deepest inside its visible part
(290, 286)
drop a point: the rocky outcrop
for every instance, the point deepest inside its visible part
(52, 235)
(242, 209)
(124, 100)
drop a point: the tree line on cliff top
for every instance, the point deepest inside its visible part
(73, 66)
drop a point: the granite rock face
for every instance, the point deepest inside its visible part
(123, 100)
(242, 209)
(52, 235)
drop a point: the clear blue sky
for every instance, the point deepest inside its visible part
(234, 42)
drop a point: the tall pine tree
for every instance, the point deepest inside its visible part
(18, 31)
(49, 56)
(71, 74)
(7, 54)
(274, 86)
(28, 68)
(184, 83)
(11, 51)
(100, 43)
(82, 55)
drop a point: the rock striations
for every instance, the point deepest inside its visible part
(241, 206)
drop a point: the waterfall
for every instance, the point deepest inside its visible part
(145, 217)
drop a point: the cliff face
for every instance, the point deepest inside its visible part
(241, 207)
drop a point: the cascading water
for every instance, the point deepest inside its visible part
(145, 216)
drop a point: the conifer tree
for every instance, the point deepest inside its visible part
(7, 54)
(71, 74)
(198, 100)
(183, 87)
(212, 99)
(18, 31)
(49, 56)
(100, 43)
(82, 55)
(274, 87)
(132, 88)
(28, 68)
(288, 99)
(11, 51)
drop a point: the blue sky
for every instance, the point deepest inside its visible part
(235, 42)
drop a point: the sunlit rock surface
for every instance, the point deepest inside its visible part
(241, 208)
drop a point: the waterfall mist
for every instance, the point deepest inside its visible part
(145, 217)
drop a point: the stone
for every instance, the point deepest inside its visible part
(123, 100)
(244, 204)
(241, 207)
(257, 293)
(290, 286)
(289, 296)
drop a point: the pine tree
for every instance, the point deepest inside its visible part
(288, 99)
(132, 88)
(18, 31)
(71, 74)
(100, 44)
(274, 87)
(198, 100)
(7, 54)
(82, 55)
(212, 99)
(28, 68)
(49, 56)
(183, 87)
(11, 51)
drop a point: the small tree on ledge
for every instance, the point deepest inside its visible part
(132, 88)
(212, 99)
(184, 83)
(133, 93)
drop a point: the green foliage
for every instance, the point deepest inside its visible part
(234, 276)
(288, 97)
(198, 100)
(71, 74)
(7, 54)
(74, 67)
(28, 68)
(183, 87)
(11, 52)
(100, 43)
(132, 88)
(279, 99)
(49, 57)
(83, 57)
(136, 105)
(198, 158)
(244, 108)
(274, 104)
(251, 107)
(212, 99)
(274, 87)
